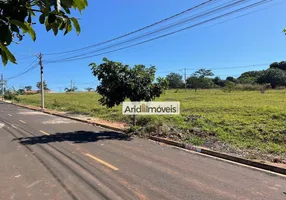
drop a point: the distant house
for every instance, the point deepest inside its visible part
(31, 91)
(49, 91)
(36, 91)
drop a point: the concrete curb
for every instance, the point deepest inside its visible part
(221, 155)
(69, 117)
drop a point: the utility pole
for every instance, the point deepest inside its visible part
(2, 82)
(42, 82)
(185, 75)
(71, 85)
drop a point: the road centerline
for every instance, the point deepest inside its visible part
(102, 162)
(44, 132)
(22, 121)
(10, 115)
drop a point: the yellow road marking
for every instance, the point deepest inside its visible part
(102, 162)
(10, 115)
(44, 132)
(22, 121)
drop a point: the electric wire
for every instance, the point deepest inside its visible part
(168, 34)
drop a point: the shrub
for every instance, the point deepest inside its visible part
(274, 76)
(248, 87)
(11, 95)
(229, 86)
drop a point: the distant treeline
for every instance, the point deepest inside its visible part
(274, 76)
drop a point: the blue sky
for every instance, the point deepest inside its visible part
(249, 40)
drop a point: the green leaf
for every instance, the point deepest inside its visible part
(5, 35)
(4, 58)
(29, 18)
(76, 25)
(46, 10)
(48, 26)
(68, 27)
(55, 28)
(51, 18)
(6, 54)
(80, 4)
(25, 27)
(62, 25)
(42, 18)
(67, 10)
(31, 31)
(15, 28)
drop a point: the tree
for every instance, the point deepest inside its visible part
(175, 80)
(18, 16)
(217, 81)
(280, 65)
(274, 76)
(21, 91)
(249, 77)
(163, 82)
(199, 79)
(199, 82)
(39, 85)
(89, 89)
(119, 82)
(194, 82)
(73, 89)
(28, 88)
(203, 73)
(231, 79)
(229, 86)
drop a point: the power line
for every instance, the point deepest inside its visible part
(138, 30)
(225, 68)
(28, 69)
(185, 20)
(168, 34)
(235, 67)
(247, 14)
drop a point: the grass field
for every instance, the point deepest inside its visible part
(246, 120)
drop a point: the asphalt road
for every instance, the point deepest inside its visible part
(47, 157)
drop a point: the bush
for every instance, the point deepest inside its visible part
(274, 76)
(11, 95)
(229, 86)
(249, 87)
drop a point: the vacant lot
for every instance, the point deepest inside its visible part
(234, 121)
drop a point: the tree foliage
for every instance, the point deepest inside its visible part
(89, 89)
(249, 77)
(231, 79)
(229, 86)
(28, 88)
(175, 80)
(274, 76)
(18, 16)
(200, 80)
(73, 89)
(218, 81)
(195, 82)
(279, 65)
(21, 91)
(119, 82)
(163, 82)
(39, 85)
(203, 73)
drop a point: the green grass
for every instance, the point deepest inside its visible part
(245, 119)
